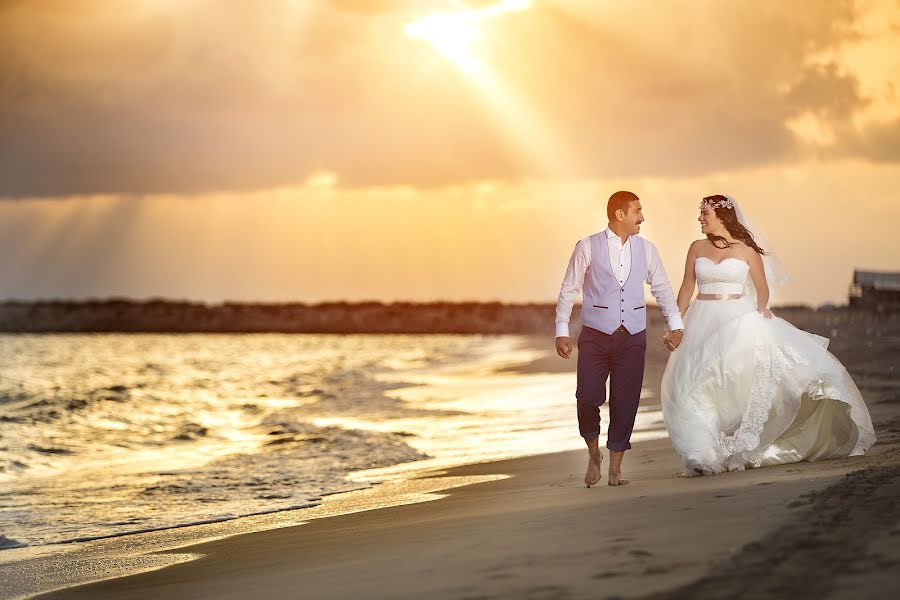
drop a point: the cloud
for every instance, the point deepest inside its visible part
(201, 96)
(880, 142)
(506, 241)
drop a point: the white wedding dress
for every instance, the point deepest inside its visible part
(745, 391)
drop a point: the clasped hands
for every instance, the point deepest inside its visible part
(673, 339)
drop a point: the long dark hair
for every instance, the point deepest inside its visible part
(729, 219)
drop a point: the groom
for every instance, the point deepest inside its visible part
(611, 267)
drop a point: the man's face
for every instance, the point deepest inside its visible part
(634, 216)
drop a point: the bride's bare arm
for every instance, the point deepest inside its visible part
(758, 274)
(690, 280)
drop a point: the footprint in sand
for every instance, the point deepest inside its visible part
(606, 575)
(659, 569)
(546, 591)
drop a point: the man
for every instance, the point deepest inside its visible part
(612, 267)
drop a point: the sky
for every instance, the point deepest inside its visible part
(312, 150)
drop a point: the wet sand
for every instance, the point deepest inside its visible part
(530, 529)
(811, 530)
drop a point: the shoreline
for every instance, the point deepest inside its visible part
(275, 446)
(487, 526)
(520, 526)
(122, 555)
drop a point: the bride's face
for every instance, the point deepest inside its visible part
(710, 223)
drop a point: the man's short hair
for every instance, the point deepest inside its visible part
(619, 201)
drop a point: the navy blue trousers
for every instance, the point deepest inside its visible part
(620, 358)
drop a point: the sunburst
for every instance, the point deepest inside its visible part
(453, 34)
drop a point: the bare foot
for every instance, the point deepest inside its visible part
(592, 476)
(616, 479)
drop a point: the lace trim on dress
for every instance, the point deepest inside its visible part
(769, 370)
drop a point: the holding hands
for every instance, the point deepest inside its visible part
(673, 339)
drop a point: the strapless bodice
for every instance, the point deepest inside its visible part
(726, 277)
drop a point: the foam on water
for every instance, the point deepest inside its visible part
(103, 435)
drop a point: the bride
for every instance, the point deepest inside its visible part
(745, 388)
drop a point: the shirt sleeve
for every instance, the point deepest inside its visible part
(661, 288)
(571, 285)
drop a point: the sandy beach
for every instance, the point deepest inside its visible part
(528, 528)
(812, 530)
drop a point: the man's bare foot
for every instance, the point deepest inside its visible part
(615, 468)
(592, 476)
(616, 479)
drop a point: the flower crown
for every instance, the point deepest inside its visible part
(710, 203)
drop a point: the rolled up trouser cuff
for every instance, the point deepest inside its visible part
(590, 436)
(618, 446)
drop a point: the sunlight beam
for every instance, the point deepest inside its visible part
(453, 34)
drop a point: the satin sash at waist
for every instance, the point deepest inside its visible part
(719, 296)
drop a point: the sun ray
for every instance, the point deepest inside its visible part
(453, 34)
(455, 37)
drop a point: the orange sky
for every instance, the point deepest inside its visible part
(397, 149)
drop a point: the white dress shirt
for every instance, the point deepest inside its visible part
(620, 261)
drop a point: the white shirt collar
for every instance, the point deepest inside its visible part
(610, 234)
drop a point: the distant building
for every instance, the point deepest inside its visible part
(875, 290)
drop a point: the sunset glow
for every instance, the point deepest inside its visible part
(431, 149)
(453, 34)
(256, 257)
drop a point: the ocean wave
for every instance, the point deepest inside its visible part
(6, 542)
(116, 434)
(106, 435)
